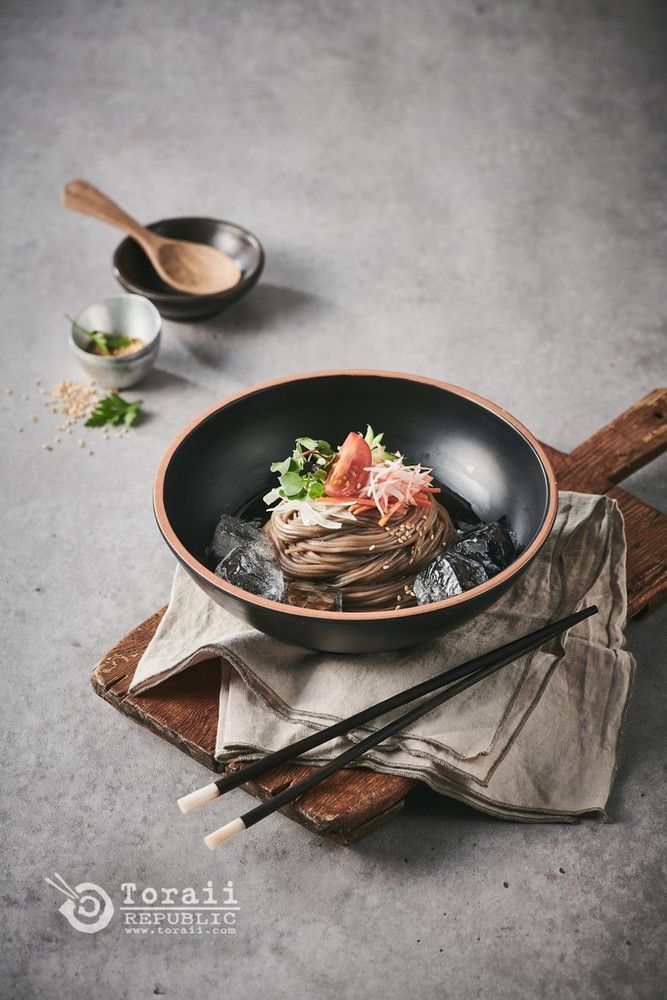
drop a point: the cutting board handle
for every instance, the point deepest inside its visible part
(626, 444)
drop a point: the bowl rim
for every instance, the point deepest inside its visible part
(103, 361)
(186, 557)
(181, 298)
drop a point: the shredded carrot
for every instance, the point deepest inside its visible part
(359, 505)
(392, 510)
(354, 503)
(361, 508)
(339, 500)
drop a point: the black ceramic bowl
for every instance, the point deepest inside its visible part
(221, 460)
(134, 271)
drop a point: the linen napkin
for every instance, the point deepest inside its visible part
(536, 741)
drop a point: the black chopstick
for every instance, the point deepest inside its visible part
(510, 651)
(469, 673)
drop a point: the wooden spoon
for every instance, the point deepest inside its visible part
(193, 268)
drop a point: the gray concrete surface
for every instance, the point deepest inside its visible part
(469, 190)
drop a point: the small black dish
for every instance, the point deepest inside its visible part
(135, 273)
(221, 460)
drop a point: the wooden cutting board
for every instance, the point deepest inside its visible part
(351, 803)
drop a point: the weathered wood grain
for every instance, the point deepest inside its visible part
(623, 446)
(348, 805)
(597, 465)
(184, 710)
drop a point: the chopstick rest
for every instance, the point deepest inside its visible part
(463, 676)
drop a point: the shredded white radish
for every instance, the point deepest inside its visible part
(391, 481)
(327, 515)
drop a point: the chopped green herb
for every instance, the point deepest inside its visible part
(282, 467)
(302, 474)
(114, 410)
(107, 342)
(292, 484)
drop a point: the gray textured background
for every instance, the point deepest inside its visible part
(467, 190)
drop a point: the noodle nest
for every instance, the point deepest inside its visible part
(373, 566)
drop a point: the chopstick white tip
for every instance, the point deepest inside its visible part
(225, 832)
(193, 800)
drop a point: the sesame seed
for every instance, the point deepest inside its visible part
(25, 396)
(9, 392)
(34, 419)
(47, 447)
(74, 401)
(20, 430)
(370, 548)
(81, 443)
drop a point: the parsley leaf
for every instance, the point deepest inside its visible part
(107, 342)
(99, 339)
(114, 410)
(115, 340)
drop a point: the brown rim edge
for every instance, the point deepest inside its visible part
(186, 557)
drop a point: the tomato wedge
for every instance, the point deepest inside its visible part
(348, 474)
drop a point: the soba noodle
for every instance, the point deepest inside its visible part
(373, 566)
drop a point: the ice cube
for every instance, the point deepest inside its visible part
(231, 532)
(253, 567)
(447, 575)
(318, 596)
(457, 506)
(490, 545)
